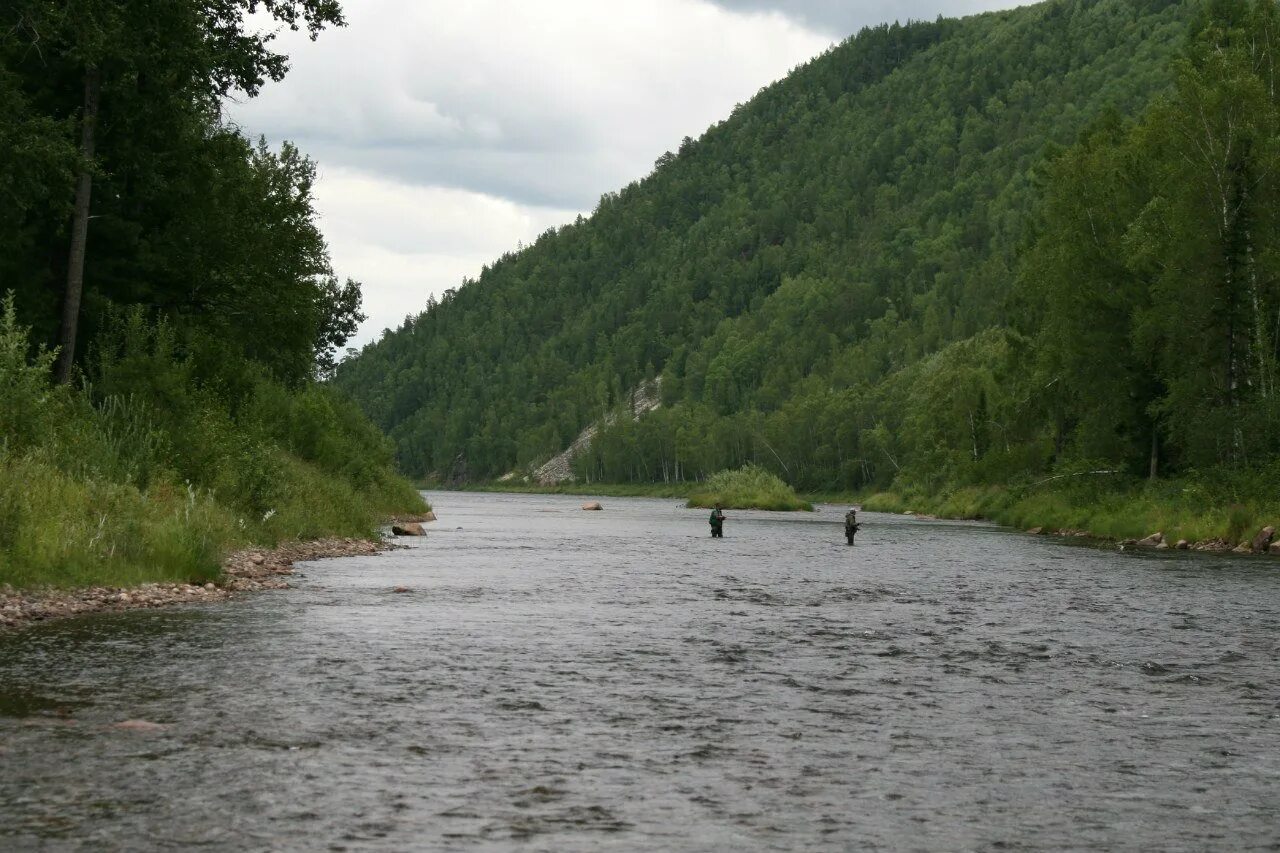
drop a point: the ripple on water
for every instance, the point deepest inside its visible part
(567, 681)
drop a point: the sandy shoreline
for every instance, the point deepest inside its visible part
(250, 570)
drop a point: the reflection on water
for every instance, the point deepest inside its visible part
(562, 680)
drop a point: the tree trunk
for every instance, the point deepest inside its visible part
(1155, 453)
(79, 228)
(1259, 319)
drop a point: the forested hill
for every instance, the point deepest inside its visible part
(827, 282)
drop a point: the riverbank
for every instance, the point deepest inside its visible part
(608, 490)
(1169, 514)
(143, 474)
(250, 570)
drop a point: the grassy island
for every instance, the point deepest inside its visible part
(749, 487)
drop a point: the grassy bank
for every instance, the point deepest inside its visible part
(750, 487)
(1217, 505)
(147, 472)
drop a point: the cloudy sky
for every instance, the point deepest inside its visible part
(448, 132)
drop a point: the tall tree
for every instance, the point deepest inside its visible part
(96, 60)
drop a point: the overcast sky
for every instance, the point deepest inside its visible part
(448, 132)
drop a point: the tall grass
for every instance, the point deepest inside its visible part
(152, 472)
(1231, 506)
(750, 487)
(59, 530)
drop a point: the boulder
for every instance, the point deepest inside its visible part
(592, 506)
(409, 528)
(1262, 541)
(1163, 546)
(139, 726)
(1274, 550)
(430, 516)
(1183, 545)
(1245, 547)
(1036, 531)
(1151, 541)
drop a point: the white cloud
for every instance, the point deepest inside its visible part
(843, 18)
(406, 242)
(548, 103)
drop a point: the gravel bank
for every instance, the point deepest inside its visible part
(243, 571)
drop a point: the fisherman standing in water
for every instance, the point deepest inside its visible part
(717, 523)
(850, 525)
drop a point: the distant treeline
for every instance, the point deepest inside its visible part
(168, 273)
(943, 253)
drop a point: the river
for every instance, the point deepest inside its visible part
(564, 680)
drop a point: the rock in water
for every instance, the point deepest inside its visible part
(411, 528)
(1152, 541)
(1182, 545)
(401, 589)
(592, 506)
(1262, 541)
(430, 516)
(139, 726)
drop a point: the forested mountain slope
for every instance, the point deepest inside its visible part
(827, 281)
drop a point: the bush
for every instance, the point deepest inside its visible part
(156, 469)
(749, 487)
(27, 402)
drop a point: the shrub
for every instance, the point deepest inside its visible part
(749, 487)
(156, 469)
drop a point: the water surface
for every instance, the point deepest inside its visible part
(561, 680)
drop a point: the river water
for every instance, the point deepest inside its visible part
(562, 680)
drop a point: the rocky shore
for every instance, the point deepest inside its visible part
(243, 571)
(1263, 542)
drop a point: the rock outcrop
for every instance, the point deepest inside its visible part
(559, 469)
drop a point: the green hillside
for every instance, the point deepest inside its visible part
(878, 272)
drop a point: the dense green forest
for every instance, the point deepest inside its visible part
(960, 252)
(168, 302)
